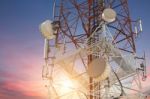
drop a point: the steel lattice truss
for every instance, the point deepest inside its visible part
(78, 18)
(79, 26)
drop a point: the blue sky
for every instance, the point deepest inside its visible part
(21, 44)
(140, 9)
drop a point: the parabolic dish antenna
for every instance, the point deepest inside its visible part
(46, 29)
(109, 15)
(97, 68)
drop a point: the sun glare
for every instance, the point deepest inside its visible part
(67, 86)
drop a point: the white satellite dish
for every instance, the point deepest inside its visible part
(98, 68)
(46, 29)
(109, 15)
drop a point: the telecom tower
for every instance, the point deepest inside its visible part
(90, 51)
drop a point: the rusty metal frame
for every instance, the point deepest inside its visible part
(74, 15)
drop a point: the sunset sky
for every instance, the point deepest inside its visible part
(21, 45)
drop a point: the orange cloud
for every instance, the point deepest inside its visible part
(26, 88)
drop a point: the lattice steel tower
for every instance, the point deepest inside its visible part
(80, 26)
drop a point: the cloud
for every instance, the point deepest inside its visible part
(20, 72)
(26, 89)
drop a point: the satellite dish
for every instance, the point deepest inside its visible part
(98, 68)
(109, 15)
(46, 29)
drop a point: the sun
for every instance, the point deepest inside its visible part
(67, 86)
